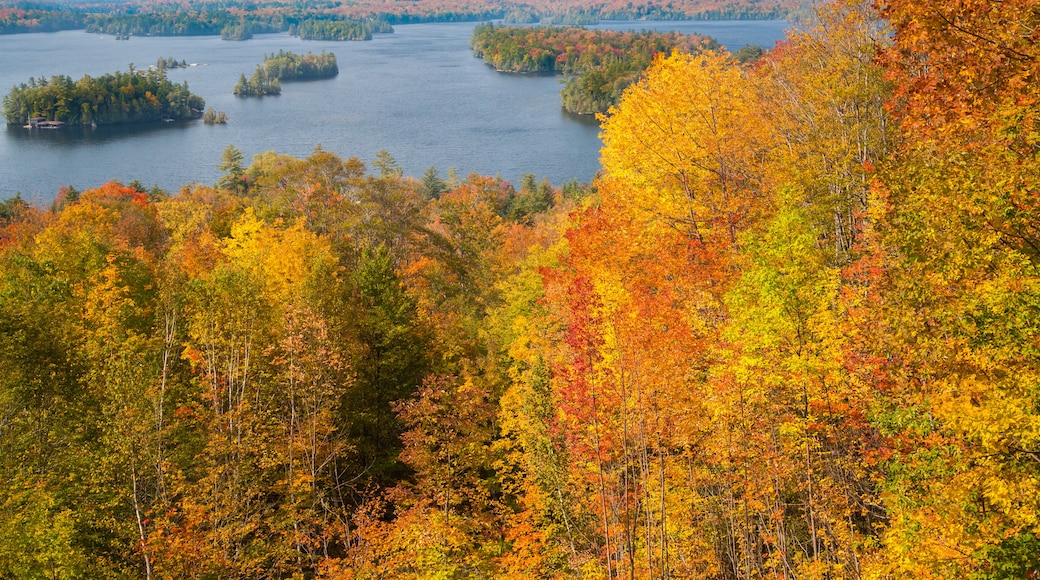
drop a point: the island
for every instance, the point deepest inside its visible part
(287, 66)
(134, 96)
(170, 62)
(214, 117)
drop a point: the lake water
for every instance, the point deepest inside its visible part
(418, 93)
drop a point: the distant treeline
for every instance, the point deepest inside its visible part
(186, 23)
(122, 97)
(39, 18)
(235, 27)
(320, 29)
(240, 19)
(571, 18)
(601, 63)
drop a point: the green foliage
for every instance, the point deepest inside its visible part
(332, 21)
(782, 336)
(176, 21)
(13, 207)
(1015, 557)
(259, 84)
(390, 365)
(386, 164)
(214, 117)
(572, 18)
(748, 53)
(132, 97)
(597, 89)
(432, 183)
(520, 16)
(33, 17)
(234, 173)
(324, 29)
(237, 31)
(37, 536)
(289, 66)
(169, 62)
(532, 199)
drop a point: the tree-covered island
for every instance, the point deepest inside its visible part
(287, 66)
(599, 64)
(170, 62)
(135, 96)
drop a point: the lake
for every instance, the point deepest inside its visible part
(417, 93)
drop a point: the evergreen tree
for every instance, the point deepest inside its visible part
(433, 185)
(234, 174)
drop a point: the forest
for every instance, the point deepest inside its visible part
(791, 331)
(178, 23)
(135, 96)
(314, 29)
(599, 64)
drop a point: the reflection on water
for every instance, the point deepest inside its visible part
(587, 120)
(73, 135)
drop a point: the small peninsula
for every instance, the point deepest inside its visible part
(599, 64)
(135, 96)
(260, 84)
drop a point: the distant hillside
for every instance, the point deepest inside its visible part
(620, 9)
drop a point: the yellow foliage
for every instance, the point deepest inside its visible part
(685, 143)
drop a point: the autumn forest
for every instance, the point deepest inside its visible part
(791, 331)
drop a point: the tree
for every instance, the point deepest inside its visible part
(386, 165)
(390, 363)
(234, 179)
(433, 185)
(686, 141)
(959, 218)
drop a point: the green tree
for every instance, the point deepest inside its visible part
(386, 165)
(432, 183)
(391, 363)
(234, 178)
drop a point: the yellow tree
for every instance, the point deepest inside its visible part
(958, 218)
(266, 479)
(687, 143)
(642, 290)
(104, 248)
(824, 97)
(792, 370)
